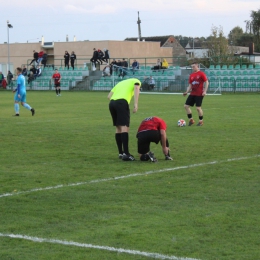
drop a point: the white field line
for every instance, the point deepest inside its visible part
(127, 176)
(171, 93)
(107, 248)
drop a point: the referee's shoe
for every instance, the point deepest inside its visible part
(128, 157)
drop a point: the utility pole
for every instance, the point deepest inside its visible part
(139, 27)
(8, 26)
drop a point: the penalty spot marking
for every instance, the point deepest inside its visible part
(107, 248)
(127, 176)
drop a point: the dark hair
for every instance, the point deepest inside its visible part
(19, 69)
(194, 62)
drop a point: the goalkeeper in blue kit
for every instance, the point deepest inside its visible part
(20, 94)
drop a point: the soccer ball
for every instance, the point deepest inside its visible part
(181, 123)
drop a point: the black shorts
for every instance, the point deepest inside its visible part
(145, 138)
(120, 112)
(57, 84)
(191, 100)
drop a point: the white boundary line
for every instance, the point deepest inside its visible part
(126, 176)
(107, 248)
(172, 93)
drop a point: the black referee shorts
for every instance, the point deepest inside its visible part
(145, 138)
(191, 100)
(120, 112)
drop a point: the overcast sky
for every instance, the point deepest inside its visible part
(117, 19)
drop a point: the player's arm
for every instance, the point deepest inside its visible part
(136, 97)
(187, 91)
(59, 79)
(163, 142)
(110, 95)
(206, 85)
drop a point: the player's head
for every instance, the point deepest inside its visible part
(18, 70)
(56, 70)
(195, 66)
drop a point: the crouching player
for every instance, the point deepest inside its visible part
(152, 129)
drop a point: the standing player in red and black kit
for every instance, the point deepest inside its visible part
(57, 77)
(152, 129)
(198, 91)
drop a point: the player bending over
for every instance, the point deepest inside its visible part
(152, 129)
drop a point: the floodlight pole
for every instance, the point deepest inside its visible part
(8, 26)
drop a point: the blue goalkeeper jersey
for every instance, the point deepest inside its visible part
(21, 88)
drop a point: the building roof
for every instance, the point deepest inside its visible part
(161, 39)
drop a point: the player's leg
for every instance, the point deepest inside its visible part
(25, 105)
(143, 145)
(59, 91)
(16, 108)
(119, 143)
(123, 122)
(199, 110)
(56, 90)
(189, 102)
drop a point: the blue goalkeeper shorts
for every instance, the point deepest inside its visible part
(22, 97)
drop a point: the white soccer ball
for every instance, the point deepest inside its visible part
(181, 123)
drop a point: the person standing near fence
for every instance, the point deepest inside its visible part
(44, 59)
(57, 78)
(73, 57)
(94, 59)
(67, 59)
(120, 97)
(198, 85)
(20, 94)
(35, 57)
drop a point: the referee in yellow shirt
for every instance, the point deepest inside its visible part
(120, 97)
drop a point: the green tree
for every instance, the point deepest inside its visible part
(234, 35)
(245, 39)
(217, 45)
(253, 27)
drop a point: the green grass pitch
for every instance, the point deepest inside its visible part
(201, 206)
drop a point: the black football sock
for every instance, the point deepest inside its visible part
(124, 138)
(57, 91)
(119, 143)
(189, 116)
(200, 117)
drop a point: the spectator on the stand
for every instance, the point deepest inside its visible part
(4, 83)
(35, 57)
(106, 56)
(38, 71)
(30, 77)
(9, 77)
(151, 83)
(165, 64)
(106, 71)
(1, 77)
(113, 65)
(33, 70)
(44, 59)
(158, 65)
(94, 59)
(67, 59)
(123, 69)
(100, 56)
(148, 84)
(73, 57)
(24, 71)
(135, 66)
(40, 54)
